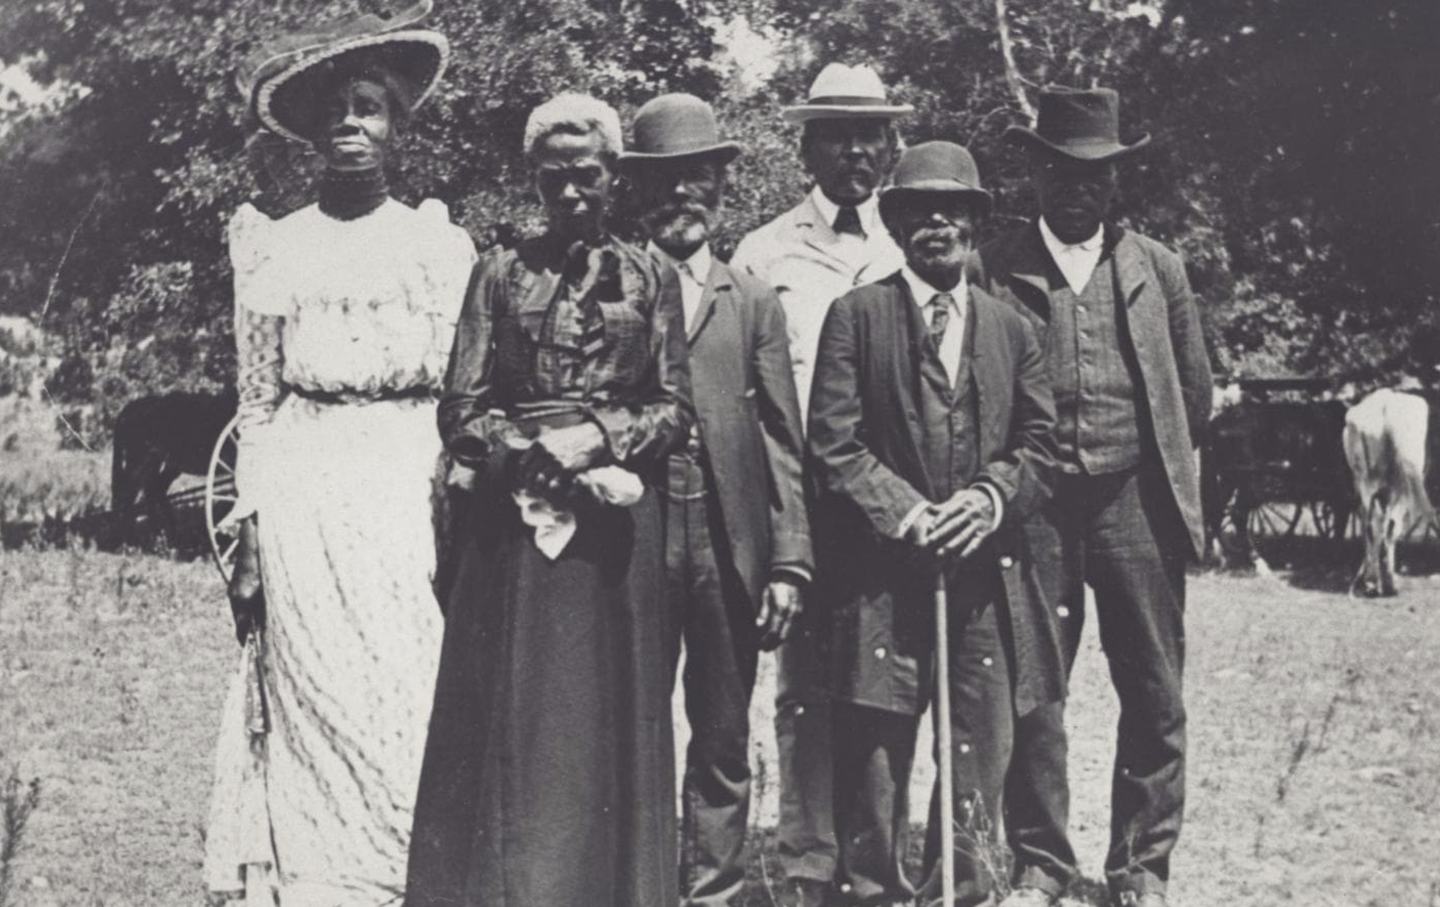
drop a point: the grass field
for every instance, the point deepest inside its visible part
(1315, 736)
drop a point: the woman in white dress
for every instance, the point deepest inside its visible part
(345, 312)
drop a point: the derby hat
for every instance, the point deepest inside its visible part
(846, 92)
(280, 78)
(934, 167)
(675, 126)
(1082, 124)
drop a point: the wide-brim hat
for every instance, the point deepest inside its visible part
(935, 167)
(1081, 124)
(677, 126)
(280, 79)
(846, 92)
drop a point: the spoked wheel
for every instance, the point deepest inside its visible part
(220, 498)
(1274, 519)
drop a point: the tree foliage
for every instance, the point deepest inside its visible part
(1292, 161)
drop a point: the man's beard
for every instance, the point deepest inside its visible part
(933, 256)
(680, 230)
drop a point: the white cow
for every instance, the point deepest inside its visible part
(1385, 445)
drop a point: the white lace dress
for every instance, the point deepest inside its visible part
(343, 329)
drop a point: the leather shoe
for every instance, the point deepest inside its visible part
(1140, 899)
(1029, 896)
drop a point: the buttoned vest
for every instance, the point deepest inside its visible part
(950, 416)
(1093, 373)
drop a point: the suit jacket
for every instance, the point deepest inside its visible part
(865, 447)
(1163, 323)
(810, 266)
(749, 419)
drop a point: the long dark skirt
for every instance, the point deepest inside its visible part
(548, 778)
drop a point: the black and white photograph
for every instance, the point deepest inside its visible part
(719, 453)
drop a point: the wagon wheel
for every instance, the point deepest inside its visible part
(220, 498)
(1272, 519)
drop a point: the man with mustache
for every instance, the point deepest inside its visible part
(811, 254)
(1132, 387)
(737, 536)
(930, 434)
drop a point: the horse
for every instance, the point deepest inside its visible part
(157, 439)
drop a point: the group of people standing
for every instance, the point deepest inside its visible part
(644, 451)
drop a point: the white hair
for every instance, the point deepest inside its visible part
(574, 113)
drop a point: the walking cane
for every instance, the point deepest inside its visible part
(947, 760)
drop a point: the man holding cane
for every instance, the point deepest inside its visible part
(930, 433)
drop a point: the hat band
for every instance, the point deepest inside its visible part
(847, 100)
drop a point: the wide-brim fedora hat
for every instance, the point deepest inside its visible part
(1082, 124)
(280, 79)
(674, 127)
(931, 168)
(846, 92)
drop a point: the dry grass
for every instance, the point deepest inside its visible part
(39, 481)
(1315, 724)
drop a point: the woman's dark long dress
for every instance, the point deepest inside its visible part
(548, 778)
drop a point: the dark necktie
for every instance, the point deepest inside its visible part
(847, 220)
(939, 317)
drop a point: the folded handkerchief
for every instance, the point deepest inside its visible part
(555, 526)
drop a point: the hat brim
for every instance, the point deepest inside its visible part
(895, 195)
(724, 152)
(805, 112)
(419, 56)
(1092, 152)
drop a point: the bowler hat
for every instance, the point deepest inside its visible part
(677, 126)
(1082, 124)
(934, 167)
(280, 78)
(846, 92)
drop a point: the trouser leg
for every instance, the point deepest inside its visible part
(803, 739)
(721, 655)
(1037, 790)
(873, 760)
(1137, 568)
(981, 729)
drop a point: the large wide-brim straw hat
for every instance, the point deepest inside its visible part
(846, 92)
(281, 79)
(935, 167)
(674, 127)
(1081, 124)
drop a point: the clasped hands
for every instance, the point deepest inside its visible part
(957, 525)
(547, 467)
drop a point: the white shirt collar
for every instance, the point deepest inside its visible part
(1059, 247)
(868, 210)
(698, 263)
(922, 291)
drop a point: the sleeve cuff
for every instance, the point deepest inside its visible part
(904, 528)
(996, 499)
(796, 573)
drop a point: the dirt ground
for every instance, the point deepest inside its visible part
(1314, 725)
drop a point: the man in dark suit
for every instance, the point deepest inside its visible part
(1132, 388)
(930, 436)
(738, 540)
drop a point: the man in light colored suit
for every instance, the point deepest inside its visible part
(812, 254)
(737, 537)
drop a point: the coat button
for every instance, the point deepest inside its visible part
(987, 661)
(880, 652)
(1006, 562)
(1063, 611)
(964, 748)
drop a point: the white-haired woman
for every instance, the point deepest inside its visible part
(345, 312)
(548, 777)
